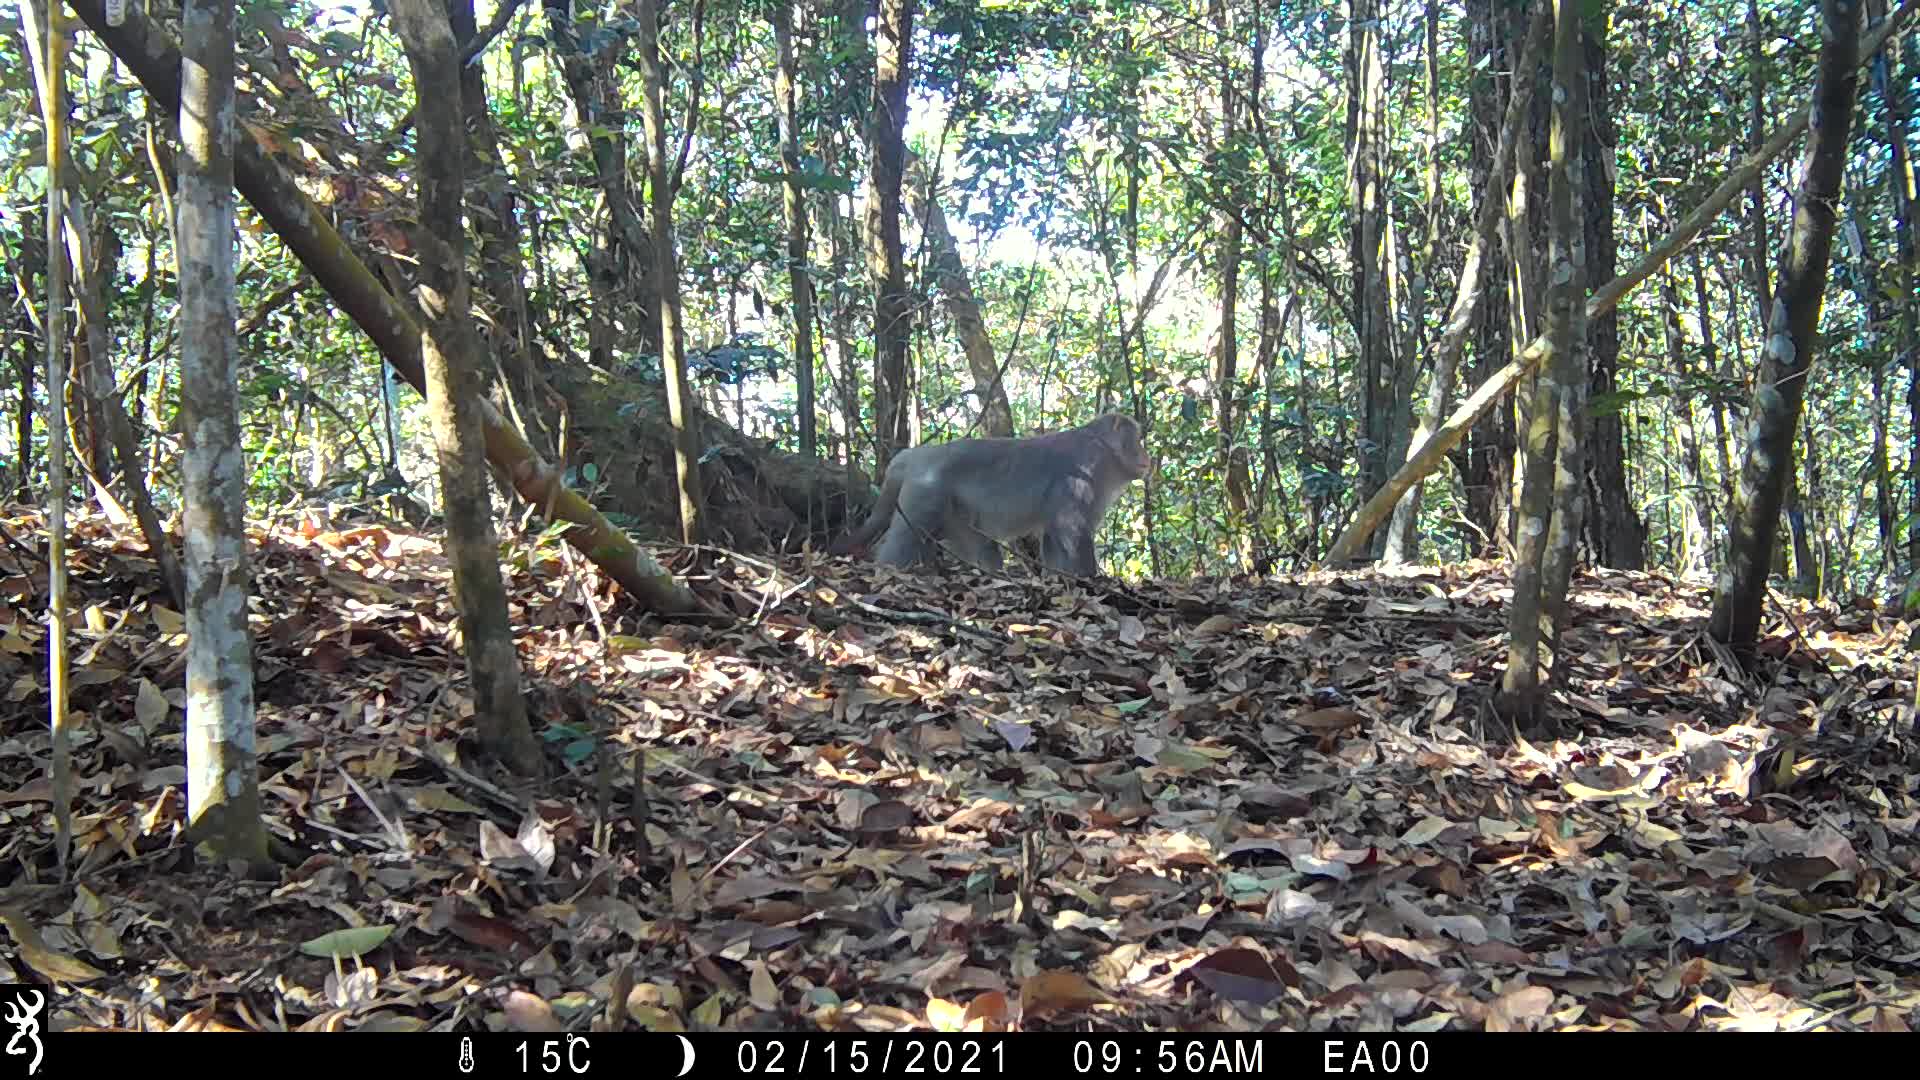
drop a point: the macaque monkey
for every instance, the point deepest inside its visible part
(971, 493)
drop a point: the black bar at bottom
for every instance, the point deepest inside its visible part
(1056, 1055)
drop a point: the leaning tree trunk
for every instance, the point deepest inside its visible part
(94, 263)
(950, 274)
(303, 227)
(1780, 378)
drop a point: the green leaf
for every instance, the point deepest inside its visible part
(350, 942)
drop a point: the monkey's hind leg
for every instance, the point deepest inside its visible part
(918, 520)
(967, 541)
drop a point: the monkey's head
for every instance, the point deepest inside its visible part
(1120, 435)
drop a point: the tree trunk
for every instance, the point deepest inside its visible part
(846, 354)
(1532, 609)
(886, 261)
(1718, 407)
(1366, 211)
(494, 213)
(950, 275)
(1618, 535)
(681, 407)
(1894, 79)
(1686, 424)
(1781, 376)
(1403, 532)
(447, 352)
(48, 45)
(1867, 288)
(1470, 292)
(1573, 369)
(1757, 190)
(593, 86)
(794, 198)
(223, 784)
(23, 366)
(1233, 472)
(94, 263)
(1488, 459)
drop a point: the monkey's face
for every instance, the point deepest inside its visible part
(1122, 438)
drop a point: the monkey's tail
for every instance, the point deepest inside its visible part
(877, 522)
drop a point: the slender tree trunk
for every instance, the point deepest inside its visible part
(1894, 75)
(950, 275)
(682, 410)
(1226, 356)
(1520, 687)
(1787, 355)
(1573, 371)
(1366, 210)
(1470, 293)
(494, 211)
(1884, 527)
(1757, 190)
(448, 351)
(1403, 532)
(1619, 536)
(794, 197)
(1700, 489)
(1489, 455)
(853, 85)
(886, 261)
(1266, 547)
(23, 419)
(223, 785)
(1718, 407)
(626, 247)
(93, 261)
(48, 45)
(1526, 236)
(1881, 409)
(846, 353)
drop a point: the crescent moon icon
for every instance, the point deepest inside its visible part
(686, 1047)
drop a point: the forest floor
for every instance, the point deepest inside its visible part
(884, 801)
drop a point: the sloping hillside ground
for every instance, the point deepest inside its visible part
(883, 802)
